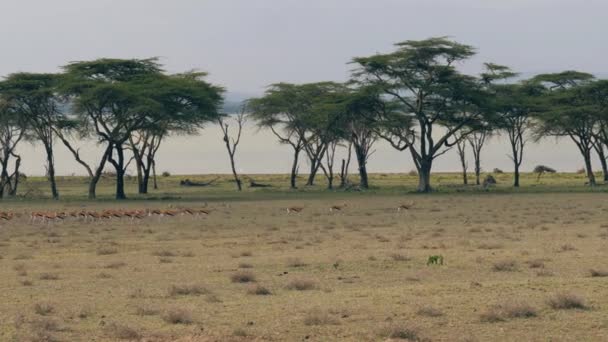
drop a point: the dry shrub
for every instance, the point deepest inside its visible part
(43, 309)
(567, 301)
(46, 324)
(301, 284)
(243, 277)
(106, 250)
(246, 254)
(245, 265)
(27, 282)
(146, 311)
(115, 265)
(48, 276)
(544, 273)
(318, 317)
(567, 247)
(259, 290)
(187, 290)
(163, 253)
(121, 332)
(505, 266)
(399, 257)
(178, 316)
(499, 313)
(536, 263)
(295, 262)
(598, 273)
(163, 260)
(401, 332)
(490, 245)
(429, 311)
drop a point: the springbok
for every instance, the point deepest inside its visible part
(337, 207)
(406, 206)
(296, 210)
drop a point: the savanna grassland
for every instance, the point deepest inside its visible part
(518, 266)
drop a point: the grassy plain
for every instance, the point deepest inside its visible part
(525, 265)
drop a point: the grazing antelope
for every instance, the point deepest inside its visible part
(406, 206)
(296, 210)
(337, 207)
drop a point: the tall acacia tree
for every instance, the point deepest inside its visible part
(115, 98)
(34, 97)
(436, 101)
(568, 110)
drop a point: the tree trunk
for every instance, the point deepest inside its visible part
(145, 181)
(13, 189)
(51, 170)
(154, 175)
(120, 173)
(424, 175)
(516, 176)
(362, 162)
(237, 180)
(599, 148)
(312, 174)
(294, 168)
(142, 187)
(477, 171)
(588, 166)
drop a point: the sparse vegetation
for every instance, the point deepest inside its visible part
(567, 301)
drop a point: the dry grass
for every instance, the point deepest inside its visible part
(331, 277)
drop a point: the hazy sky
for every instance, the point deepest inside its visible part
(248, 44)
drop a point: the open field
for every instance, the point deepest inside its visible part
(517, 267)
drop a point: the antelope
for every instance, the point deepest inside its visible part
(406, 206)
(337, 207)
(296, 210)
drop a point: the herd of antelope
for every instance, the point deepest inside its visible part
(108, 214)
(341, 207)
(136, 215)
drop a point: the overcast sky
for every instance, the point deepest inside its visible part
(248, 44)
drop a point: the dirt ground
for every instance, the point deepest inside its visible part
(516, 267)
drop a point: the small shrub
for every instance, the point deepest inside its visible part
(43, 309)
(243, 277)
(490, 245)
(399, 257)
(301, 284)
(497, 170)
(581, 171)
(402, 332)
(245, 265)
(163, 253)
(106, 250)
(259, 290)
(115, 265)
(48, 276)
(187, 290)
(317, 317)
(536, 263)
(566, 301)
(178, 316)
(146, 311)
(295, 262)
(499, 313)
(505, 266)
(598, 273)
(166, 174)
(429, 311)
(567, 247)
(121, 332)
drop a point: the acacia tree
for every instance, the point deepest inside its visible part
(568, 111)
(435, 99)
(12, 131)
(293, 114)
(232, 143)
(34, 98)
(477, 141)
(115, 98)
